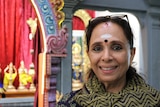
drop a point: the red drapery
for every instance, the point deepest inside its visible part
(14, 34)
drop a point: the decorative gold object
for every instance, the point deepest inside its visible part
(83, 15)
(58, 96)
(10, 74)
(58, 6)
(32, 23)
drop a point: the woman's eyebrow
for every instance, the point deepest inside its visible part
(118, 41)
(122, 43)
(95, 43)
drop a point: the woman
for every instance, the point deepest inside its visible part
(112, 81)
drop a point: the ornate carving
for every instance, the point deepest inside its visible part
(57, 44)
(58, 6)
(52, 69)
(83, 15)
(47, 16)
(54, 38)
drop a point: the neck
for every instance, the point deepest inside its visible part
(116, 86)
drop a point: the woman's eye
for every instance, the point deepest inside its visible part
(116, 47)
(97, 48)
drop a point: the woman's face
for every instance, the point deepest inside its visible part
(109, 53)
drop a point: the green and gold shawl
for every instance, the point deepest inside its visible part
(136, 94)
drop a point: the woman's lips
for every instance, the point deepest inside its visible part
(108, 70)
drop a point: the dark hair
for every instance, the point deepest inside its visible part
(118, 20)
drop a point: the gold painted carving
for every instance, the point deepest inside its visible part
(83, 15)
(58, 6)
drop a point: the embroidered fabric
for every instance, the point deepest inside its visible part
(136, 93)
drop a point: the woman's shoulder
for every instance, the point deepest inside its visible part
(67, 100)
(139, 89)
(149, 95)
(150, 90)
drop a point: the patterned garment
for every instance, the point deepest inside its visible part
(136, 94)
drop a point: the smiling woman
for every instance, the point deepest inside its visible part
(111, 81)
(112, 59)
(135, 25)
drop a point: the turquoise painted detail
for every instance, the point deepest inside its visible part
(48, 17)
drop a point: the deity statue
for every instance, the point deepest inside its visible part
(10, 74)
(32, 74)
(76, 66)
(22, 72)
(24, 77)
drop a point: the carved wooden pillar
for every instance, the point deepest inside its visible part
(53, 67)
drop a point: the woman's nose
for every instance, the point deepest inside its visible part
(107, 55)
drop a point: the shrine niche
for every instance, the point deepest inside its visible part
(17, 74)
(80, 61)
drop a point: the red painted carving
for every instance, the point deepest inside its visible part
(56, 44)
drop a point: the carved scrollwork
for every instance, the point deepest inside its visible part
(57, 44)
(58, 6)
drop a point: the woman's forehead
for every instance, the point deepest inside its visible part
(104, 26)
(105, 31)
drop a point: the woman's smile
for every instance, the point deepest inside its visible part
(108, 70)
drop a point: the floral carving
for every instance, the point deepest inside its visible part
(56, 44)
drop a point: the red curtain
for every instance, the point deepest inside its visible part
(14, 34)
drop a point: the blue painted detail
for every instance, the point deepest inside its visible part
(48, 17)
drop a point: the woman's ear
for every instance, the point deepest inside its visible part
(133, 51)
